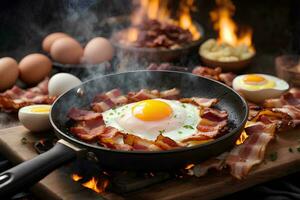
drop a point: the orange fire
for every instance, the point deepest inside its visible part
(242, 138)
(228, 30)
(76, 177)
(189, 166)
(97, 185)
(158, 10)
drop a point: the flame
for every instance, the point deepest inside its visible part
(76, 177)
(242, 138)
(185, 19)
(189, 166)
(158, 10)
(227, 28)
(94, 185)
(132, 34)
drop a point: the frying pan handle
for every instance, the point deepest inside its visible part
(29, 172)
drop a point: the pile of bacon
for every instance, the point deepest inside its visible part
(16, 98)
(155, 34)
(273, 116)
(88, 125)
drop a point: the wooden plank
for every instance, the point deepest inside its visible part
(59, 184)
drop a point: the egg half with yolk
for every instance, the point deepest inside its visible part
(149, 118)
(258, 87)
(35, 117)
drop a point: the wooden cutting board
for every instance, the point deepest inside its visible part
(58, 184)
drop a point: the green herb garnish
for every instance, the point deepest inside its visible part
(183, 105)
(180, 132)
(188, 127)
(175, 116)
(273, 156)
(162, 131)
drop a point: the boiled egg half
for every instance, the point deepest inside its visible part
(258, 87)
(35, 117)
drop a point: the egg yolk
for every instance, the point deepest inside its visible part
(254, 79)
(40, 109)
(151, 110)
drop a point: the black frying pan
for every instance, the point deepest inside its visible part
(66, 149)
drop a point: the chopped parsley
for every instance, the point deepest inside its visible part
(122, 115)
(183, 105)
(111, 113)
(188, 127)
(175, 116)
(162, 131)
(273, 156)
(291, 150)
(180, 132)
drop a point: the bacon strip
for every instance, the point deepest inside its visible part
(138, 143)
(16, 98)
(203, 102)
(292, 97)
(88, 130)
(78, 114)
(243, 157)
(170, 94)
(108, 100)
(215, 74)
(143, 94)
(166, 143)
(292, 111)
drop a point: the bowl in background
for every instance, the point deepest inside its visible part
(288, 68)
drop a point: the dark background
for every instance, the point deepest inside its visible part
(23, 24)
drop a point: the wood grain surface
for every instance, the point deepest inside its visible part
(59, 185)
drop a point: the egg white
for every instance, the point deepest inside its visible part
(180, 125)
(257, 95)
(35, 121)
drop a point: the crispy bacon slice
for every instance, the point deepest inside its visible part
(203, 102)
(280, 119)
(215, 74)
(138, 143)
(16, 98)
(212, 124)
(227, 78)
(170, 94)
(79, 114)
(166, 143)
(250, 153)
(292, 111)
(143, 94)
(113, 138)
(108, 100)
(208, 72)
(88, 130)
(292, 97)
(166, 66)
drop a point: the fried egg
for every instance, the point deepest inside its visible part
(149, 118)
(258, 87)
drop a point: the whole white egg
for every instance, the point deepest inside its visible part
(62, 82)
(35, 117)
